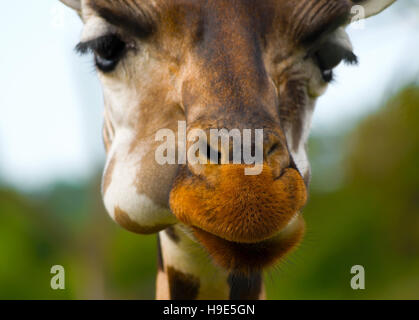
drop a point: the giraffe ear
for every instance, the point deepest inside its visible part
(74, 4)
(371, 7)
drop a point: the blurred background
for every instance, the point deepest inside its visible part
(364, 149)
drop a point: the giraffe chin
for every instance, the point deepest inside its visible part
(246, 258)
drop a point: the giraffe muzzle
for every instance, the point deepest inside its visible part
(245, 223)
(236, 207)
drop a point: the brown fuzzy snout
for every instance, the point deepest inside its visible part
(237, 207)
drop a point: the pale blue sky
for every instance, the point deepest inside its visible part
(51, 103)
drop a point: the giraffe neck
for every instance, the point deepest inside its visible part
(185, 271)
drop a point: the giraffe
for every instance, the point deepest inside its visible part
(232, 64)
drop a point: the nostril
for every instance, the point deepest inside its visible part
(277, 157)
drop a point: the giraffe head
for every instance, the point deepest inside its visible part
(214, 64)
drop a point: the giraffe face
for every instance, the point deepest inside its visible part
(232, 64)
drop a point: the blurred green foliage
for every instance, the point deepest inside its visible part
(363, 209)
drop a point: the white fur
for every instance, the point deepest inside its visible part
(95, 27)
(122, 192)
(300, 154)
(190, 258)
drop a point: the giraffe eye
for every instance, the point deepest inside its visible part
(108, 50)
(329, 56)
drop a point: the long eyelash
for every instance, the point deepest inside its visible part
(82, 48)
(350, 58)
(95, 44)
